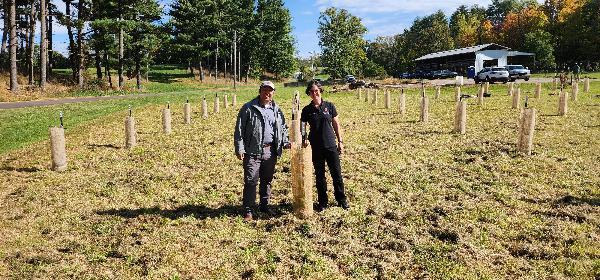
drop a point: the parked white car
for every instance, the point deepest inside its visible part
(492, 74)
(518, 72)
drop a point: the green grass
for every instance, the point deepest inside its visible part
(426, 203)
(592, 75)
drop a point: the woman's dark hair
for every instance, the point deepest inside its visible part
(313, 83)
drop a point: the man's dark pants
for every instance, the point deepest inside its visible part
(332, 157)
(258, 170)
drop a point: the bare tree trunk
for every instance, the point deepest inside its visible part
(50, 51)
(138, 75)
(43, 44)
(72, 61)
(217, 62)
(31, 43)
(120, 46)
(80, 48)
(14, 85)
(6, 25)
(107, 68)
(234, 60)
(98, 65)
(201, 76)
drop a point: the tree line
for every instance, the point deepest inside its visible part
(214, 37)
(559, 32)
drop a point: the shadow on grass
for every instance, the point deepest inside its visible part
(197, 211)
(20, 169)
(593, 201)
(167, 78)
(109, 146)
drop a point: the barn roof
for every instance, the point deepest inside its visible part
(472, 49)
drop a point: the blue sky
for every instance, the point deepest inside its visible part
(380, 17)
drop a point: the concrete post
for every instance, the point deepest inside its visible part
(58, 148)
(204, 108)
(216, 105)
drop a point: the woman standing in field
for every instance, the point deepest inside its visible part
(325, 128)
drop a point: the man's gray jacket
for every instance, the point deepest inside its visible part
(249, 128)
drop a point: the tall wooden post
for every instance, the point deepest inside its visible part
(402, 103)
(424, 109)
(526, 129)
(457, 94)
(538, 90)
(460, 117)
(516, 99)
(302, 179)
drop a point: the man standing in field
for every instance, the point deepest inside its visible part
(259, 138)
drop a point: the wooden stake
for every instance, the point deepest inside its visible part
(460, 117)
(487, 87)
(130, 138)
(511, 86)
(538, 90)
(437, 92)
(359, 94)
(424, 109)
(367, 95)
(58, 149)
(166, 120)
(376, 97)
(234, 100)
(526, 130)
(516, 99)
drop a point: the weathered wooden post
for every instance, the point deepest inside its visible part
(526, 129)
(511, 88)
(302, 179)
(457, 94)
(402, 103)
(234, 100)
(204, 108)
(562, 103)
(187, 112)
(586, 85)
(367, 95)
(538, 90)
(480, 96)
(424, 109)
(58, 147)
(225, 102)
(130, 139)
(359, 94)
(460, 117)
(574, 91)
(166, 119)
(388, 99)
(438, 89)
(516, 98)
(216, 105)
(487, 87)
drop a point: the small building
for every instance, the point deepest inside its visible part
(480, 56)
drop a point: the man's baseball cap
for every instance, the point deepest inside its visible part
(267, 84)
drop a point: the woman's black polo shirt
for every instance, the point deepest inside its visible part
(320, 121)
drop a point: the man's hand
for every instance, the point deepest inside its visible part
(287, 146)
(240, 156)
(340, 147)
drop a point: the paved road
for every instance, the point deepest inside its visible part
(48, 102)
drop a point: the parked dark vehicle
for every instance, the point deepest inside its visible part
(350, 79)
(444, 74)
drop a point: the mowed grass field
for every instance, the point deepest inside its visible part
(425, 203)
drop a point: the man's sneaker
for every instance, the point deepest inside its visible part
(344, 205)
(320, 208)
(248, 216)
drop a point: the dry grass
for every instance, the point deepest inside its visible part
(426, 203)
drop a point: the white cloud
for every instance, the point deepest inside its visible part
(361, 7)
